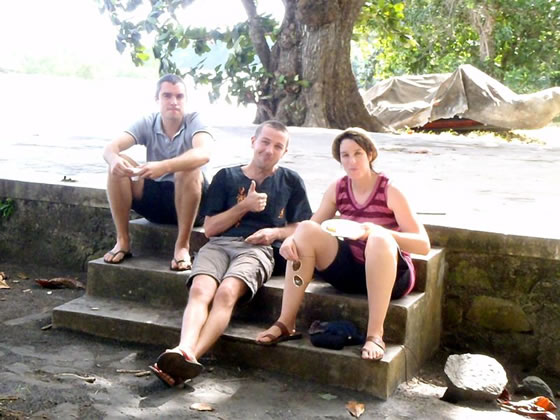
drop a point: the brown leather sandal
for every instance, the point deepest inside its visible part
(285, 335)
(378, 341)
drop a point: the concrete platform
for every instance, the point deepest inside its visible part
(454, 181)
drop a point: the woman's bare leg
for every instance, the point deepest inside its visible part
(316, 248)
(381, 267)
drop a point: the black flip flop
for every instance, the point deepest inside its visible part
(159, 374)
(179, 365)
(177, 262)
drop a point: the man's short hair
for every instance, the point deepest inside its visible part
(275, 124)
(169, 78)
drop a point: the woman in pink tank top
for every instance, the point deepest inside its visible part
(375, 261)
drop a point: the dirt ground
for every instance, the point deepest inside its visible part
(49, 374)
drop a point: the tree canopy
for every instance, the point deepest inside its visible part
(514, 41)
(300, 71)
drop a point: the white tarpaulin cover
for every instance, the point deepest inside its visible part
(413, 101)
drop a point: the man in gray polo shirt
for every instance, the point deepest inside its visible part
(168, 188)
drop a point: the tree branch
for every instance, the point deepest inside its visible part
(256, 33)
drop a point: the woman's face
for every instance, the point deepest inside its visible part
(354, 159)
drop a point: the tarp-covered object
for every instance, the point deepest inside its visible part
(413, 101)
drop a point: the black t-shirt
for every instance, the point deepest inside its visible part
(286, 200)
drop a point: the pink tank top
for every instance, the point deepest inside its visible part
(374, 210)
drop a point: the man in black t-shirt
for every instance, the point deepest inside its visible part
(248, 210)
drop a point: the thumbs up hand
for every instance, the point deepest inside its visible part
(255, 201)
(252, 187)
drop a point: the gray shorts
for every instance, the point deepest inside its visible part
(226, 256)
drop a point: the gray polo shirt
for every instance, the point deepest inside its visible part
(149, 132)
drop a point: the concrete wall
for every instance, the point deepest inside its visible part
(502, 296)
(502, 292)
(56, 225)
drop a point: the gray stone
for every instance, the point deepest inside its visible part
(533, 386)
(473, 377)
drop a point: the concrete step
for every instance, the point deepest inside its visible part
(142, 300)
(154, 239)
(147, 279)
(134, 321)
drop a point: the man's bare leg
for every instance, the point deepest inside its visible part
(201, 295)
(227, 295)
(120, 191)
(188, 192)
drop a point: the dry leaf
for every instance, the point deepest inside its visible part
(22, 276)
(3, 284)
(201, 407)
(59, 282)
(355, 408)
(3, 276)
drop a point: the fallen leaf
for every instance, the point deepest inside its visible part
(201, 407)
(22, 276)
(3, 284)
(60, 282)
(355, 408)
(3, 275)
(328, 397)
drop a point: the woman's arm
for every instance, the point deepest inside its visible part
(412, 236)
(327, 209)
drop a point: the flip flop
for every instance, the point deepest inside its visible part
(179, 365)
(126, 254)
(177, 263)
(160, 375)
(378, 341)
(285, 335)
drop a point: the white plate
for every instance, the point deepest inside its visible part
(343, 228)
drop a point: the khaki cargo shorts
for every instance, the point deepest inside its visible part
(226, 256)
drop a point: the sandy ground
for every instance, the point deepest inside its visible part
(50, 374)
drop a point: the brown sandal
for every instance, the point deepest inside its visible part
(378, 341)
(285, 335)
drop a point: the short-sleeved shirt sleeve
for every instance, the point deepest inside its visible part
(148, 132)
(286, 200)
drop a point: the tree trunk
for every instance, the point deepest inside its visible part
(312, 83)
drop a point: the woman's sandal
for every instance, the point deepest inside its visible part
(285, 335)
(378, 341)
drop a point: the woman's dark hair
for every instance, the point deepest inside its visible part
(361, 137)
